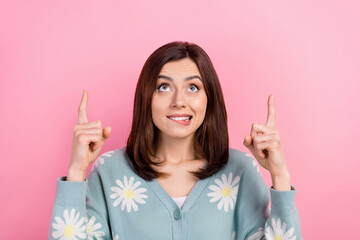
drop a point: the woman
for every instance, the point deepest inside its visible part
(177, 178)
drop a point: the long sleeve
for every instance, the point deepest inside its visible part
(281, 221)
(79, 210)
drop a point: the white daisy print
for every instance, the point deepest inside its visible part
(70, 229)
(254, 163)
(101, 159)
(277, 232)
(225, 191)
(92, 229)
(128, 194)
(232, 236)
(258, 235)
(115, 237)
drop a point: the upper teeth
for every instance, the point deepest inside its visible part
(180, 118)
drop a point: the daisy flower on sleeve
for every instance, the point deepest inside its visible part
(92, 229)
(70, 227)
(277, 231)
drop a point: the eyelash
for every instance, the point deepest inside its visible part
(158, 88)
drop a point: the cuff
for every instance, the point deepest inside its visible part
(70, 193)
(282, 202)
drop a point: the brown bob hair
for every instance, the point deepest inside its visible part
(212, 140)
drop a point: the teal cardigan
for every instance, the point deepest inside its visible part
(115, 203)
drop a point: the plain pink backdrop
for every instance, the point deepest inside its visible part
(306, 53)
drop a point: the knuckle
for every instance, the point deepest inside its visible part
(81, 137)
(96, 139)
(76, 133)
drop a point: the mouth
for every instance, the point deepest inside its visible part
(181, 120)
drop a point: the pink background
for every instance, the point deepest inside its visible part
(306, 53)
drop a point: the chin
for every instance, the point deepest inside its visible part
(177, 134)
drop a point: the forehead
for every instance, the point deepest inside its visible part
(183, 66)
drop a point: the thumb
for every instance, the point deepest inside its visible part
(247, 141)
(106, 132)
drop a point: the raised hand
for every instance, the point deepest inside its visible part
(264, 143)
(88, 138)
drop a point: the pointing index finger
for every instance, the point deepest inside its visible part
(82, 108)
(270, 122)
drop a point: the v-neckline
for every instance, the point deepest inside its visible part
(167, 200)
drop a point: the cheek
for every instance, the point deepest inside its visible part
(200, 105)
(157, 108)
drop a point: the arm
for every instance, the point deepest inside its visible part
(79, 210)
(281, 222)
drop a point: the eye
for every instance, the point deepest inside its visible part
(160, 88)
(194, 87)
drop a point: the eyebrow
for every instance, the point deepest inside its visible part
(186, 79)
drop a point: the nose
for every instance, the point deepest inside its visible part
(178, 100)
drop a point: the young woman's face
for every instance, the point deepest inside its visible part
(179, 90)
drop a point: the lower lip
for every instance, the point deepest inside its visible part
(183, 122)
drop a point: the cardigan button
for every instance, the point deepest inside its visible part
(177, 214)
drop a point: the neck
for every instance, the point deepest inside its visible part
(175, 150)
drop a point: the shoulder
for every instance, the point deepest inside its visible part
(241, 167)
(244, 168)
(111, 167)
(240, 161)
(112, 161)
